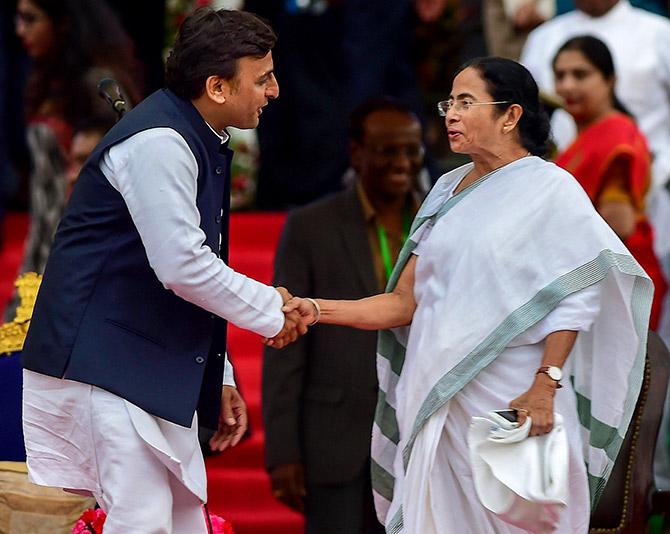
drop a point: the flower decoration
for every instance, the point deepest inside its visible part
(92, 521)
(220, 525)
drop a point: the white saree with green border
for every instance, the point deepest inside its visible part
(515, 256)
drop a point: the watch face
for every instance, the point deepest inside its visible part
(555, 373)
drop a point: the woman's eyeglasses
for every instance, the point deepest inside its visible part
(463, 105)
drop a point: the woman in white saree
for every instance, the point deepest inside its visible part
(512, 286)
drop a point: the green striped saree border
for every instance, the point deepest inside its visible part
(643, 291)
(601, 435)
(385, 480)
(385, 418)
(389, 348)
(409, 246)
(395, 526)
(525, 317)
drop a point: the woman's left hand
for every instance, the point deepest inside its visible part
(538, 404)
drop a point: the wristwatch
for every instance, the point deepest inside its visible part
(553, 372)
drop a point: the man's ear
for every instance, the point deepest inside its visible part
(217, 89)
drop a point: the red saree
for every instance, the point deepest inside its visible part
(588, 159)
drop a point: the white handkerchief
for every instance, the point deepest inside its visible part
(523, 479)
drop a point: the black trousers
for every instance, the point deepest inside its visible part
(343, 508)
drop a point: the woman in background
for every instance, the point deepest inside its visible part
(609, 157)
(73, 44)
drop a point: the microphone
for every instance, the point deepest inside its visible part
(110, 90)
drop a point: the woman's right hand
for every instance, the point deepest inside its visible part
(308, 312)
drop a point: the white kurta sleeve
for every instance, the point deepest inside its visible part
(156, 174)
(228, 373)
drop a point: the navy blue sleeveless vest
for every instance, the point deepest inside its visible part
(102, 317)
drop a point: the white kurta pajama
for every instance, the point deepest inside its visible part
(83, 438)
(517, 255)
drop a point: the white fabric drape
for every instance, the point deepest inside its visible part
(514, 257)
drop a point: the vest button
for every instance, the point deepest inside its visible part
(219, 355)
(199, 359)
(218, 170)
(218, 219)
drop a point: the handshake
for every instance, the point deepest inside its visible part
(299, 314)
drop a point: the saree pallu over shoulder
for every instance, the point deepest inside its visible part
(589, 158)
(501, 255)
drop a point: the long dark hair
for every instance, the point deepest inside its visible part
(87, 34)
(596, 53)
(507, 80)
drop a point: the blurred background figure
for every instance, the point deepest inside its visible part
(507, 23)
(85, 136)
(639, 42)
(14, 159)
(609, 157)
(73, 45)
(323, 59)
(319, 394)
(654, 6)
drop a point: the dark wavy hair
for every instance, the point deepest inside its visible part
(596, 53)
(88, 34)
(507, 80)
(209, 43)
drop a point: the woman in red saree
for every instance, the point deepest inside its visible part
(609, 157)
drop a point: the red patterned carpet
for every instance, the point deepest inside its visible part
(239, 488)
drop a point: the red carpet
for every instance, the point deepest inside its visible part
(239, 489)
(14, 230)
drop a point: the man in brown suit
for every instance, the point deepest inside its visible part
(319, 394)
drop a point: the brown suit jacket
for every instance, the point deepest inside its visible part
(319, 394)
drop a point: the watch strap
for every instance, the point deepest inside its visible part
(545, 370)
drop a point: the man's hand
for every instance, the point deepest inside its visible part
(232, 420)
(294, 326)
(288, 485)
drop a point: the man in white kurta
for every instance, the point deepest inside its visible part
(640, 45)
(147, 440)
(145, 471)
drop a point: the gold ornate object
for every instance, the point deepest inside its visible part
(13, 334)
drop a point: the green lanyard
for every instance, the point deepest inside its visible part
(384, 244)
